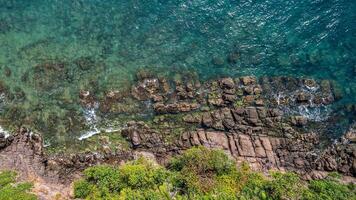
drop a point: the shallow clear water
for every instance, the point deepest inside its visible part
(42, 41)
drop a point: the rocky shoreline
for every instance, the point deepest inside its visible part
(253, 121)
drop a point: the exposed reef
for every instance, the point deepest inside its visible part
(246, 117)
(258, 121)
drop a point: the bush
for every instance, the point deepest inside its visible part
(136, 180)
(10, 190)
(284, 186)
(200, 170)
(329, 189)
(202, 174)
(201, 160)
(142, 175)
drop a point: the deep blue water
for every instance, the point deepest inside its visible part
(303, 38)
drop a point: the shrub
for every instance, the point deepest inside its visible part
(10, 190)
(202, 160)
(199, 170)
(254, 186)
(201, 174)
(135, 180)
(142, 175)
(6, 178)
(284, 186)
(329, 189)
(83, 188)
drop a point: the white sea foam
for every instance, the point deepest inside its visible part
(89, 134)
(46, 144)
(6, 133)
(92, 119)
(317, 114)
(311, 88)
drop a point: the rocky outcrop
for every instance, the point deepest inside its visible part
(248, 119)
(243, 116)
(261, 151)
(24, 153)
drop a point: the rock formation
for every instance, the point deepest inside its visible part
(245, 117)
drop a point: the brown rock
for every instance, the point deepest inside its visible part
(245, 146)
(248, 80)
(299, 162)
(195, 139)
(218, 140)
(252, 115)
(202, 137)
(227, 83)
(259, 150)
(330, 164)
(135, 138)
(302, 97)
(229, 98)
(192, 119)
(248, 99)
(207, 120)
(249, 90)
(299, 121)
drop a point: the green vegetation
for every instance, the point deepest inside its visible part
(329, 189)
(140, 179)
(201, 174)
(238, 104)
(10, 190)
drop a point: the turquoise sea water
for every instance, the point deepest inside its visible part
(42, 42)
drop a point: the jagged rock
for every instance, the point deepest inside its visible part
(262, 136)
(87, 99)
(140, 135)
(228, 119)
(192, 119)
(249, 90)
(310, 83)
(302, 97)
(248, 80)
(207, 120)
(145, 89)
(229, 98)
(165, 85)
(227, 83)
(299, 121)
(252, 116)
(217, 120)
(215, 99)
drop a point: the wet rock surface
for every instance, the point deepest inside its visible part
(24, 152)
(241, 116)
(258, 121)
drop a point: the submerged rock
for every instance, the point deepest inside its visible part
(85, 63)
(233, 57)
